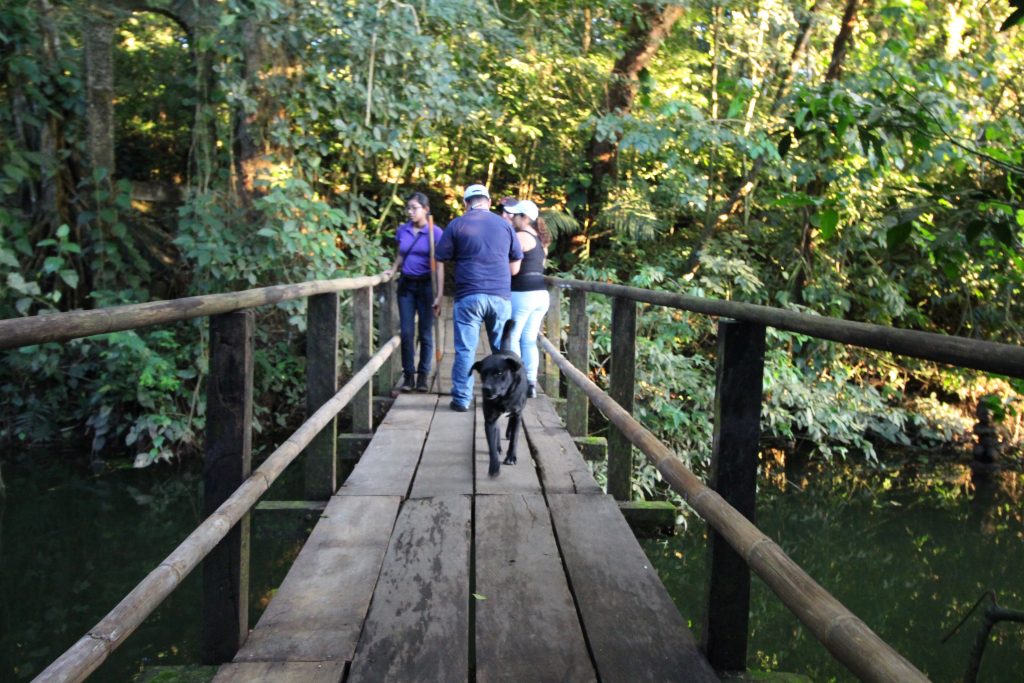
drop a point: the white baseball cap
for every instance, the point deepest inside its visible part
(525, 207)
(476, 191)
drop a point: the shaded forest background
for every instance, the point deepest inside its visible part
(852, 158)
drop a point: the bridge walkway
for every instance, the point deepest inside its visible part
(423, 568)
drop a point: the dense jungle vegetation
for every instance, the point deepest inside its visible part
(854, 159)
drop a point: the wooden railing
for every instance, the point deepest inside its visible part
(736, 546)
(727, 504)
(230, 491)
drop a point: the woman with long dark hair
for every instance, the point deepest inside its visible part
(416, 296)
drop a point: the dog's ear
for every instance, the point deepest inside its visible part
(513, 363)
(475, 366)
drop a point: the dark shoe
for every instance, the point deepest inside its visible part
(407, 383)
(458, 407)
(421, 384)
(531, 391)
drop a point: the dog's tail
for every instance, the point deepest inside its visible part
(506, 335)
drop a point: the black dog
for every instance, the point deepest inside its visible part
(504, 387)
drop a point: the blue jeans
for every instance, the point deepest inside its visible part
(469, 313)
(416, 297)
(528, 309)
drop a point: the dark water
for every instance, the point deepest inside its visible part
(908, 553)
(72, 545)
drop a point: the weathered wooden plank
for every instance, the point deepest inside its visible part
(319, 609)
(281, 672)
(553, 331)
(446, 467)
(738, 390)
(562, 468)
(578, 352)
(526, 624)
(621, 390)
(418, 626)
(226, 464)
(387, 465)
(37, 329)
(518, 478)
(362, 339)
(634, 629)
(320, 457)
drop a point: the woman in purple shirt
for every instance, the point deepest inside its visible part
(415, 294)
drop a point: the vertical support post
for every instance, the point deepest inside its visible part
(389, 327)
(738, 389)
(321, 384)
(621, 388)
(362, 324)
(578, 353)
(553, 331)
(227, 462)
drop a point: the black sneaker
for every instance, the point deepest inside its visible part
(421, 384)
(407, 383)
(458, 407)
(531, 391)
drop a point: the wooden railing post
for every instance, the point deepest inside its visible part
(362, 324)
(553, 331)
(321, 385)
(227, 463)
(578, 353)
(388, 328)
(738, 389)
(621, 385)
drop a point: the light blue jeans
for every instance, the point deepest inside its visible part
(528, 310)
(469, 313)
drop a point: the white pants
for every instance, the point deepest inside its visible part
(528, 309)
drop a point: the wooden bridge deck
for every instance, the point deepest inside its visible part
(425, 569)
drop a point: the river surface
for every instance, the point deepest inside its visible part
(907, 553)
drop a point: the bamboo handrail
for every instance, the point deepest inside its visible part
(37, 329)
(1005, 359)
(82, 658)
(844, 635)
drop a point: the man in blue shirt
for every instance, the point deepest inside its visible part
(486, 255)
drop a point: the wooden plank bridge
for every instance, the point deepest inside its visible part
(423, 568)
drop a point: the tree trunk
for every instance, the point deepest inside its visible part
(646, 32)
(843, 40)
(254, 149)
(99, 89)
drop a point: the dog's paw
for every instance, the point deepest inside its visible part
(493, 470)
(510, 460)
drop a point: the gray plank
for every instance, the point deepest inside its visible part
(418, 626)
(562, 468)
(387, 465)
(281, 672)
(526, 623)
(518, 478)
(319, 609)
(632, 625)
(446, 467)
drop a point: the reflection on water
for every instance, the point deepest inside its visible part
(71, 546)
(907, 552)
